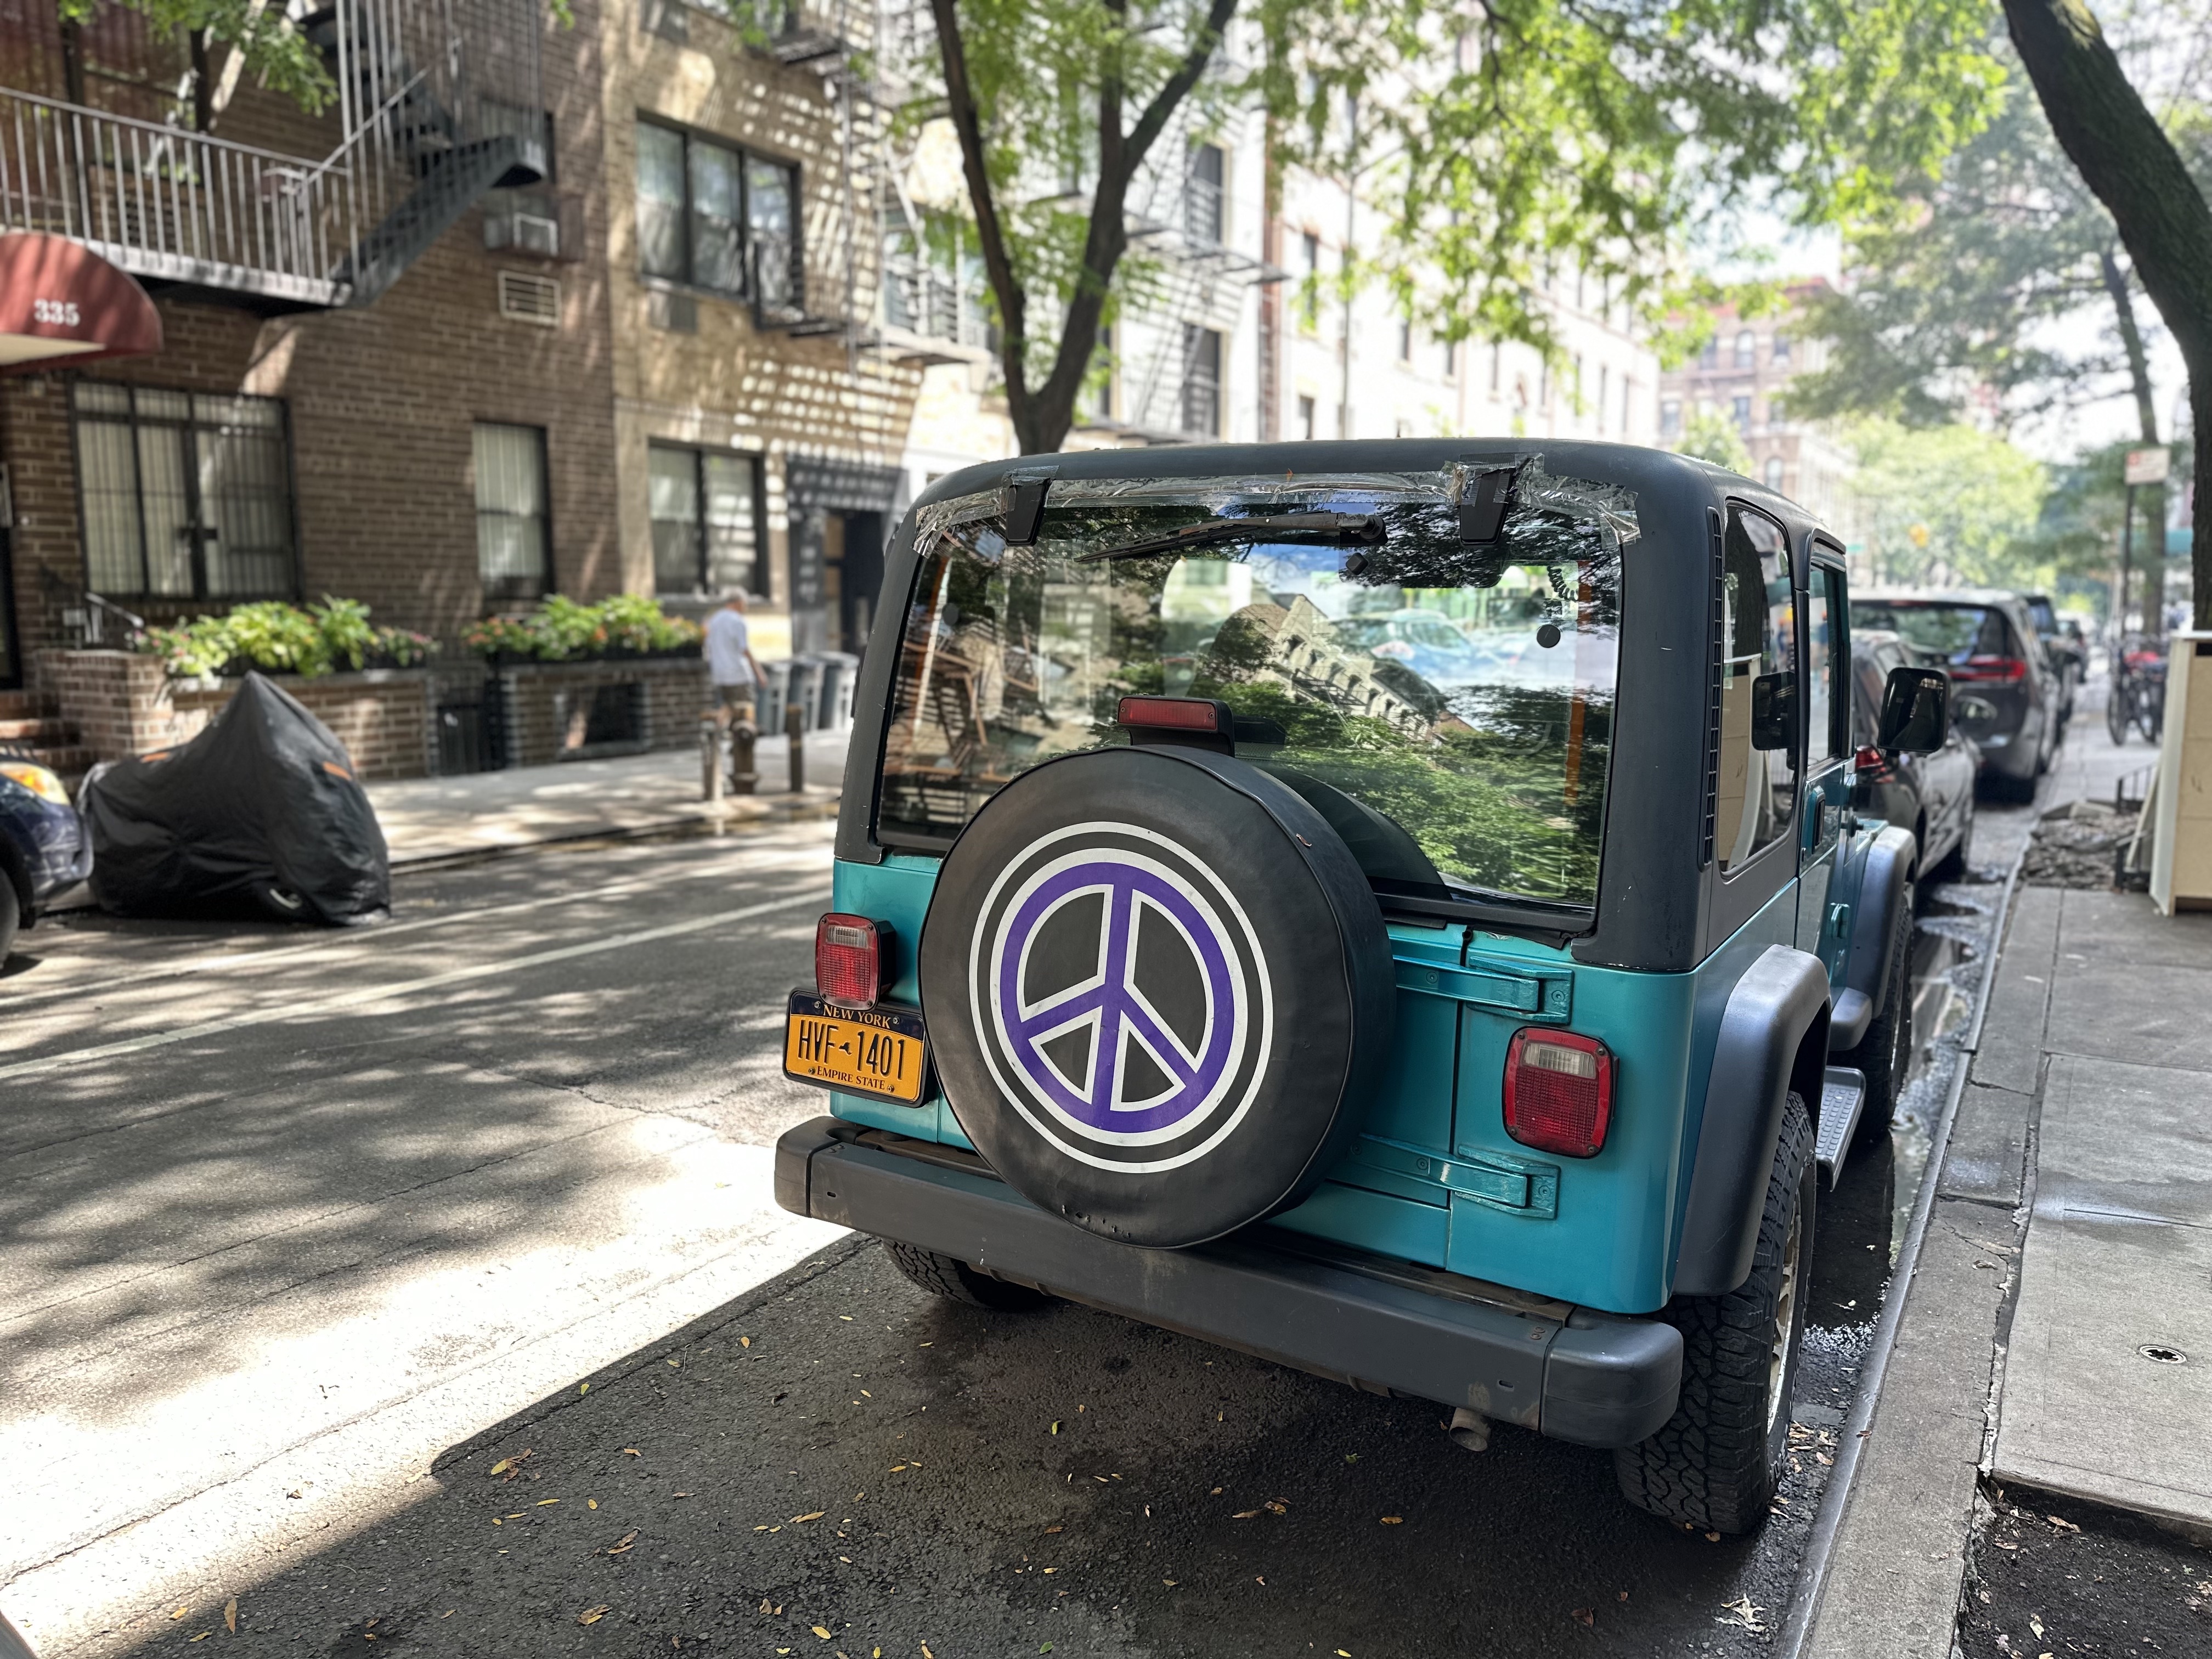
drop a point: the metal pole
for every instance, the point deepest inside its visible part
(794, 733)
(710, 758)
(2127, 556)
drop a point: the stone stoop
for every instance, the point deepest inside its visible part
(30, 728)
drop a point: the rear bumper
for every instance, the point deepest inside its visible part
(1591, 1379)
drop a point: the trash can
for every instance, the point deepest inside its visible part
(805, 689)
(841, 672)
(769, 696)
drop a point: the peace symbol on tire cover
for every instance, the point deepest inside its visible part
(1158, 990)
(1120, 997)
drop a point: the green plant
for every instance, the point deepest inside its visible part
(283, 639)
(561, 630)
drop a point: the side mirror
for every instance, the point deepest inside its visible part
(1773, 711)
(1916, 711)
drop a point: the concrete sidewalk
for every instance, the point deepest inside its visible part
(427, 820)
(2054, 1331)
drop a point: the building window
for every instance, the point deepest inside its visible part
(1202, 380)
(1404, 339)
(1781, 352)
(1709, 354)
(1746, 349)
(1774, 473)
(712, 215)
(513, 542)
(184, 494)
(1202, 216)
(706, 513)
(1740, 412)
(1309, 416)
(1670, 418)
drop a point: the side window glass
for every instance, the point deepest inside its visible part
(1825, 685)
(1756, 781)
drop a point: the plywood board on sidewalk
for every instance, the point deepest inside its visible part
(2115, 1277)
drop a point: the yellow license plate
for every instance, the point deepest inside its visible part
(884, 1052)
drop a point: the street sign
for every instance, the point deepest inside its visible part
(2148, 467)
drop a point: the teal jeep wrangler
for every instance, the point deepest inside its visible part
(1392, 907)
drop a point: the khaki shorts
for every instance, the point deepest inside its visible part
(737, 700)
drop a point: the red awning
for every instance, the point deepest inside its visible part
(61, 302)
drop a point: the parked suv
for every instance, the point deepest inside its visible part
(1932, 795)
(1457, 1023)
(2008, 699)
(2064, 649)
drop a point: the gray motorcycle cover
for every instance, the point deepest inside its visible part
(260, 815)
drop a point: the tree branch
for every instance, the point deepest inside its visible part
(1006, 287)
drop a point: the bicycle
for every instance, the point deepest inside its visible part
(2137, 696)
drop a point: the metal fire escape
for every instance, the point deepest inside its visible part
(438, 102)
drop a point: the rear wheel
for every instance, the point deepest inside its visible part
(1717, 1463)
(2117, 712)
(955, 1281)
(11, 915)
(1885, 1052)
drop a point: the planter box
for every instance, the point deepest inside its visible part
(557, 711)
(122, 704)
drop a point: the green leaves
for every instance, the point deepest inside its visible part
(277, 638)
(277, 55)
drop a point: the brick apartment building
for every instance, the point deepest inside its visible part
(569, 310)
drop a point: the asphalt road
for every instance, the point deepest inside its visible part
(303, 1235)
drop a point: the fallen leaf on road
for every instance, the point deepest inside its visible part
(798, 1520)
(1394, 1519)
(1622, 1597)
(821, 1632)
(1056, 1570)
(898, 1469)
(2062, 1526)
(679, 1494)
(542, 1502)
(1713, 1538)
(1050, 1530)
(592, 1615)
(495, 1521)
(1747, 1615)
(926, 1653)
(1281, 1505)
(628, 1541)
(847, 1318)
(632, 1451)
(1216, 1492)
(180, 1612)
(583, 1388)
(744, 1342)
(590, 1502)
(1054, 1429)
(1586, 1616)
(1170, 1583)
(864, 1394)
(230, 1616)
(1244, 1514)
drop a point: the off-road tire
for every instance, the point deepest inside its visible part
(1716, 1463)
(1885, 1052)
(955, 1281)
(11, 915)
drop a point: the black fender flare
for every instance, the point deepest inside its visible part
(1884, 881)
(1758, 1055)
(17, 874)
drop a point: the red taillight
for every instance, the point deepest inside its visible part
(1871, 764)
(2005, 671)
(849, 959)
(1559, 1091)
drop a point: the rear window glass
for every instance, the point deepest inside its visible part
(1951, 632)
(1446, 705)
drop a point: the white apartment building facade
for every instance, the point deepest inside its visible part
(1239, 333)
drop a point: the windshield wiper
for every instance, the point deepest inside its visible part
(1322, 529)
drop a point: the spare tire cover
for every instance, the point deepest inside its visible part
(1158, 990)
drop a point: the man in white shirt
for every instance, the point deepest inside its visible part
(736, 673)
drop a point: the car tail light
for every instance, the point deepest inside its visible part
(850, 957)
(36, 779)
(1559, 1091)
(1872, 765)
(2005, 671)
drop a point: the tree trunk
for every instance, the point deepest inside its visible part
(2125, 158)
(2154, 502)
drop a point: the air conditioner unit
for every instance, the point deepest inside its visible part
(523, 233)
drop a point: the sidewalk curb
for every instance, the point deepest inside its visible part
(811, 810)
(1812, 1582)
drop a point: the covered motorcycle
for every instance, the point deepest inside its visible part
(260, 815)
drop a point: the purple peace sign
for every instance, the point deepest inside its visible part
(1115, 1006)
